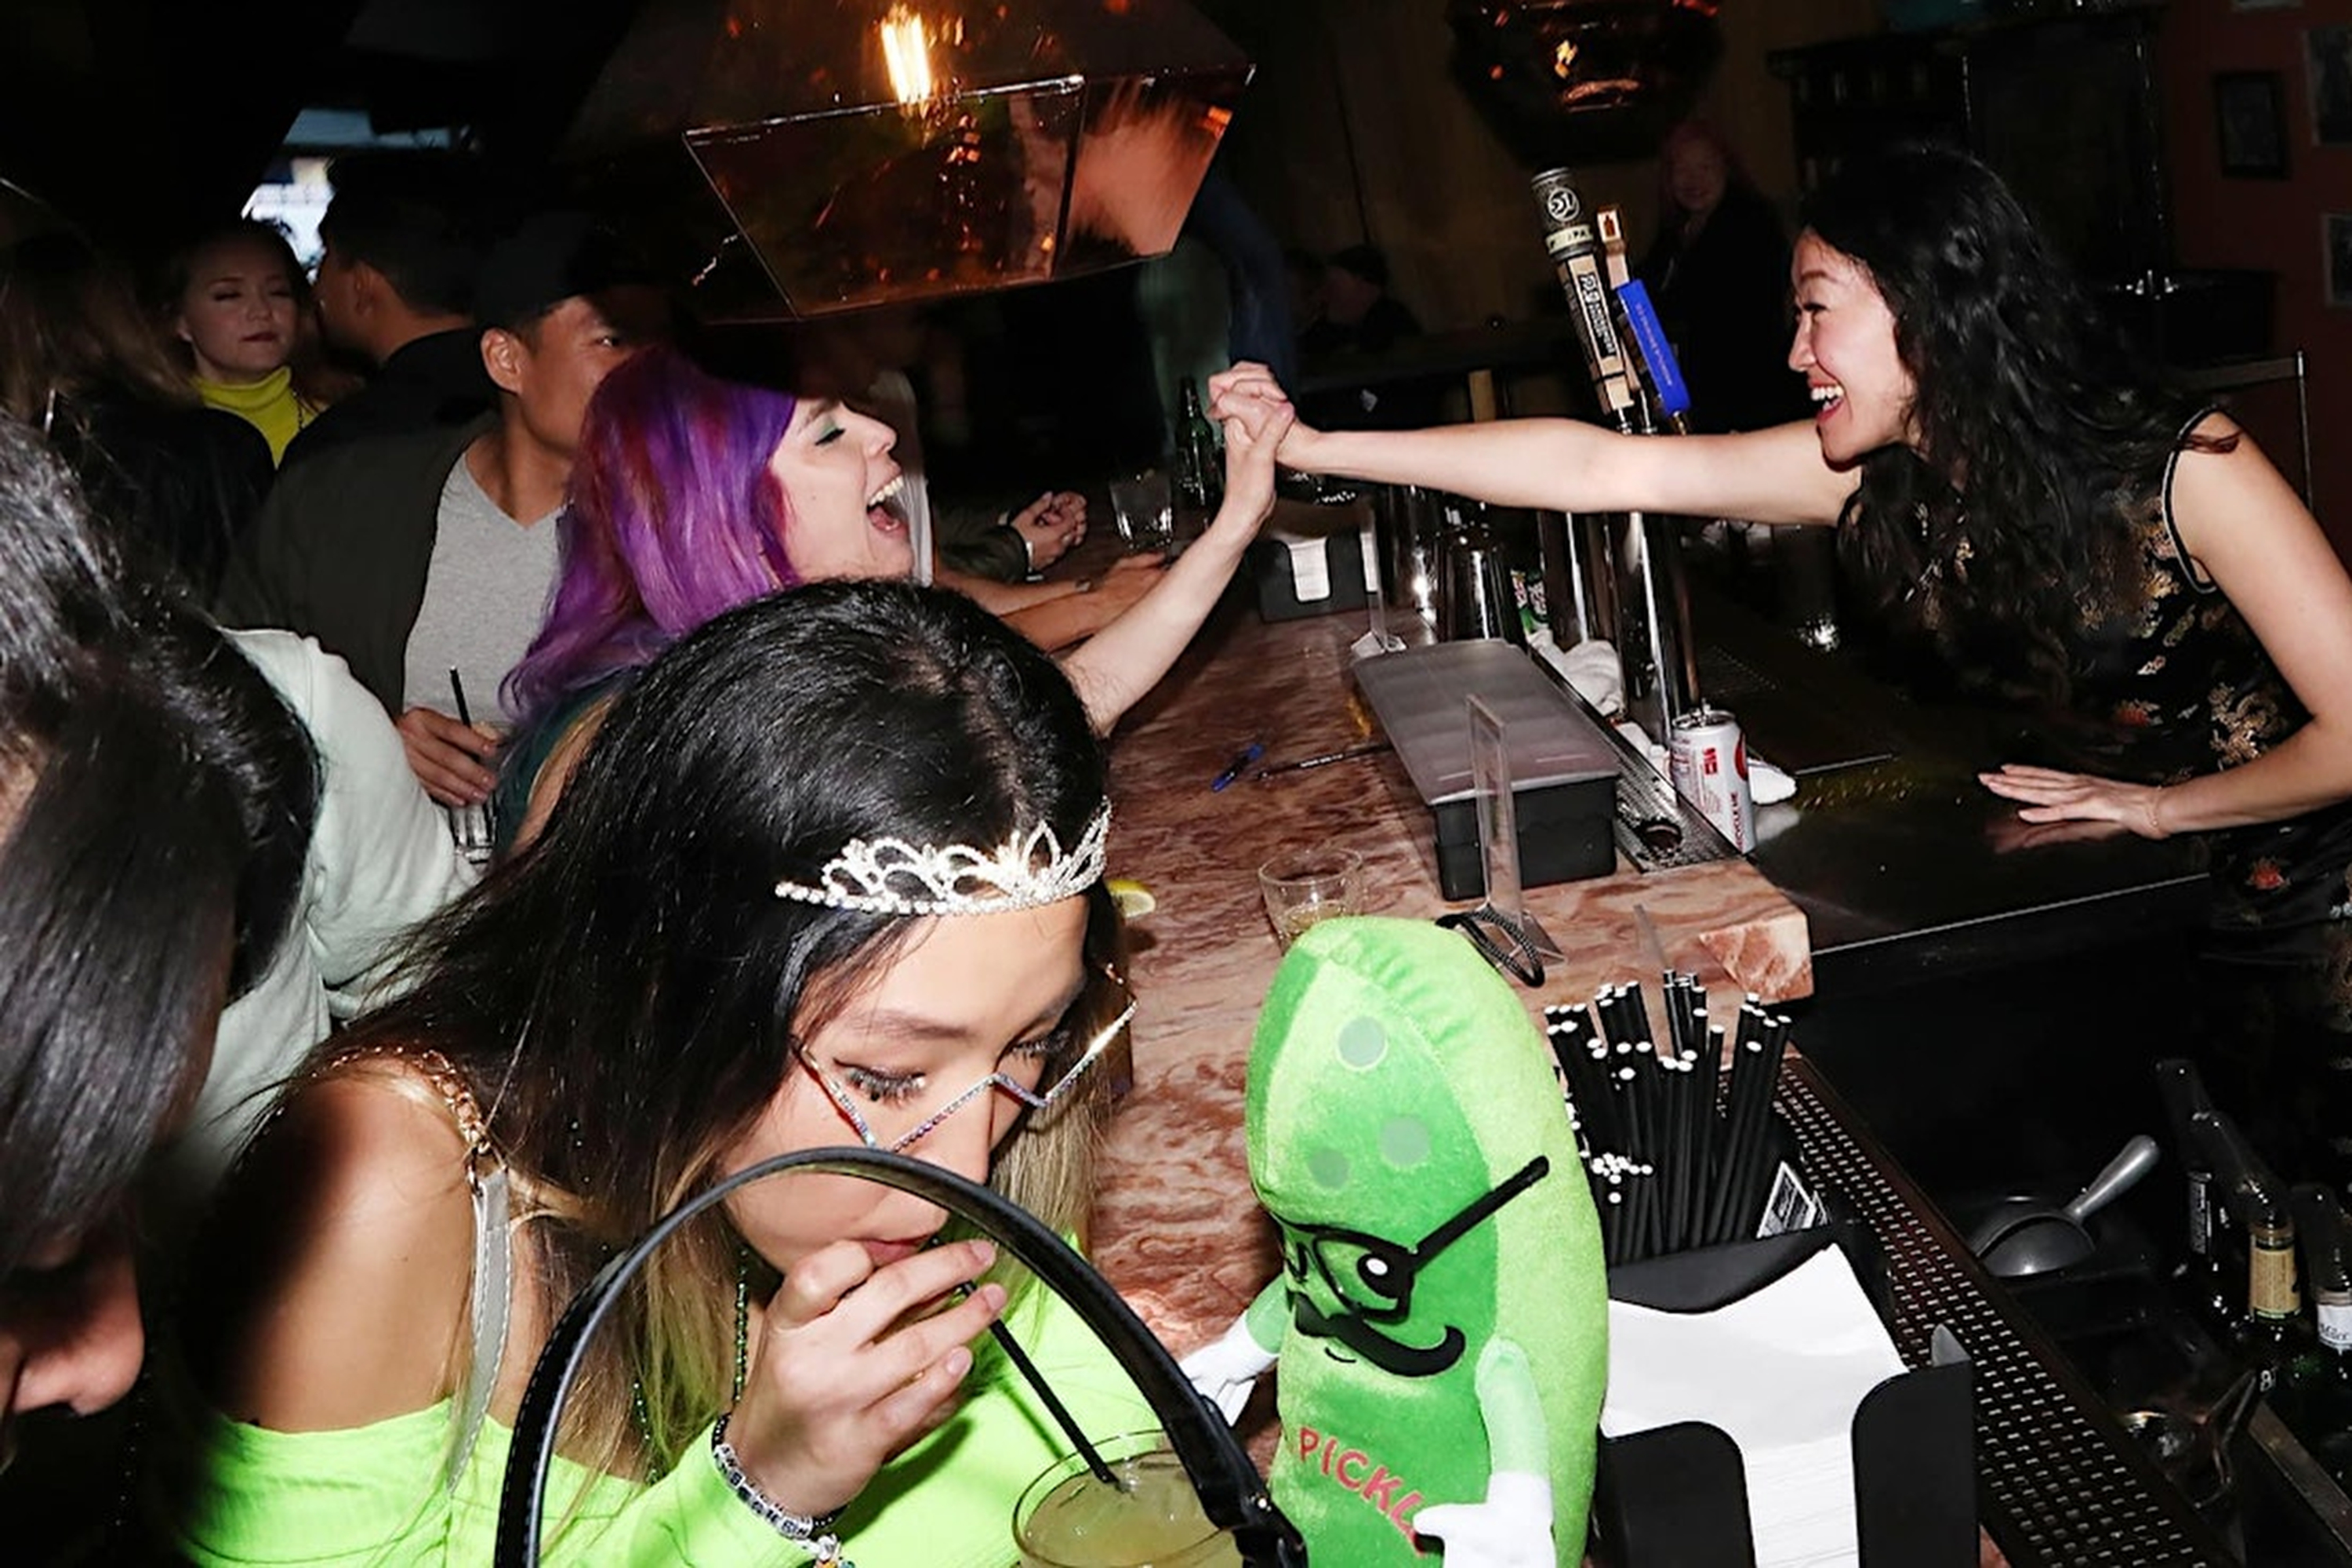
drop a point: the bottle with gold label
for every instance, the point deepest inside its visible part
(2271, 1332)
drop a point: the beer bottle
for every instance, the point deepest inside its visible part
(2315, 1396)
(1200, 461)
(2204, 1280)
(2271, 1332)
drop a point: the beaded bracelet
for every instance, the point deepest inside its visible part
(812, 1530)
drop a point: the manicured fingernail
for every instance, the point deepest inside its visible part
(956, 1363)
(991, 1296)
(984, 1253)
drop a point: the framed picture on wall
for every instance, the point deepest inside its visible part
(2329, 53)
(2335, 256)
(2249, 120)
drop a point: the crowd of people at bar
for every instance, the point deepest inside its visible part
(454, 813)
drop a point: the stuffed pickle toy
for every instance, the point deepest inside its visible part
(1439, 1325)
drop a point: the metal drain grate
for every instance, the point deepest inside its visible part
(2058, 1482)
(1643, 798)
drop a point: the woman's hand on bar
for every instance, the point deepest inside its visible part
(2050, 795)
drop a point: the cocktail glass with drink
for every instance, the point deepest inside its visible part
(1150, 1519)
(1303, 886)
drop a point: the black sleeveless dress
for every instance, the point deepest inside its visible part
(2166, 682)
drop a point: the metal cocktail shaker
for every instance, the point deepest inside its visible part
(1475, 598)
(1411, 526)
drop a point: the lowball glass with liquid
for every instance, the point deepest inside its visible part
(1303, 886)
(1151, 1519)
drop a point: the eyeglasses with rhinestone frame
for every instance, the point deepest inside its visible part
(1039, 1102)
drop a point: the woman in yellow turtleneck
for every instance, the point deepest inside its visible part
(237, 307)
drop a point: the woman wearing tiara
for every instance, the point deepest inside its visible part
(701, 965)
(692, 494)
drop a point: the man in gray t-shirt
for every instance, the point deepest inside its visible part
(349, 547)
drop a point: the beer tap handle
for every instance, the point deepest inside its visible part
(1575, 250)
(1665, 396)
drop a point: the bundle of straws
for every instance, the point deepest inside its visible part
(1678, 1147)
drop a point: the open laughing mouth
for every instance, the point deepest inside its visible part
(1828, 399)
(886, 508)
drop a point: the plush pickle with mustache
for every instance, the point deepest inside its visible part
(1439, 1325)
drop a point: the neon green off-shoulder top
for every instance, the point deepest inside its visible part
(377, 1494)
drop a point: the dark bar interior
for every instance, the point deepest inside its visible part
(1938, 1018)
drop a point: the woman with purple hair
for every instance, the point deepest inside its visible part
(692, 494)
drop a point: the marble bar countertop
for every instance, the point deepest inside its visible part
(1177, 1229)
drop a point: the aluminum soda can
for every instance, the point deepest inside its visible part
(1707, 761)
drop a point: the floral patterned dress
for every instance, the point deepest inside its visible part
(2168, 681)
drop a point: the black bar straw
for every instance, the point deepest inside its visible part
(1052, 1401)
(465, 717)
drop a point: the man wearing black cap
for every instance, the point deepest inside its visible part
(415, 555)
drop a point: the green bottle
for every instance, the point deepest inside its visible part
(1200, 461)
(2209, 1277)
(2314, 1395)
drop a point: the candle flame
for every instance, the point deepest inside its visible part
(906, 50)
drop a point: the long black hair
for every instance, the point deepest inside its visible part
(624, 997)
(156, 801)
(2036, 421)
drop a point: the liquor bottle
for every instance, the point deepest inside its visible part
(2205, 1280)
(1199, 463)
(2315, 1396)
(2271, 1333)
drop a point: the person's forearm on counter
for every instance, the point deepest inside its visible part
(2309, 770)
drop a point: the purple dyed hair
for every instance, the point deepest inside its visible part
(673, 517)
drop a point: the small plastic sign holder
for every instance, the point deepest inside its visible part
(1501, 928)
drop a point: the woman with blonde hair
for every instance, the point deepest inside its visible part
(82, 363)
(237, 300)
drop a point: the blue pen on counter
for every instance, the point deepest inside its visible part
(1242, 759)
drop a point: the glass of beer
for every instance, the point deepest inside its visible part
(1303, 886)
(1150, 1519)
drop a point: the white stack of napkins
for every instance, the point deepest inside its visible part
(1781, 1371)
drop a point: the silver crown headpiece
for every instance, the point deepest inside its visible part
(892, 877)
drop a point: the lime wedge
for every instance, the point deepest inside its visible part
(1133, 899)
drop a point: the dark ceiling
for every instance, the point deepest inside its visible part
(138, 119)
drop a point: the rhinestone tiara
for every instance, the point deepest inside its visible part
(892, 877)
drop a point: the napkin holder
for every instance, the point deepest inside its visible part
(1312, 560)
(1676, 1495)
